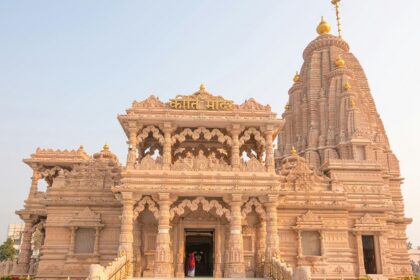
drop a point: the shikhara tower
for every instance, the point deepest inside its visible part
(202, 175)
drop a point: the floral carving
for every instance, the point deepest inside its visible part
(151, 102)
(253, 202)
(252, 105)
(252, 165)
(148, 163)
(207, 134)
(155, 134)
(207, 206)
(201, 162)
(141, 205)
(247, 136)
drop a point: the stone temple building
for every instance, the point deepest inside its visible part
(204, 175)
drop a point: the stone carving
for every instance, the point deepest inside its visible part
(142, 204)
(248, 206)
(206, 133)
(252, 105)
(309, 217)
(201, 162)
(247, 136)
(297, 175)
(206, 205)
(148, 163)
(151, 102)
(156, 134)
(252, 165)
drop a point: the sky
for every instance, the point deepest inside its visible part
(67, 68)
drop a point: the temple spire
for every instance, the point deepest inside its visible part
(336, 3)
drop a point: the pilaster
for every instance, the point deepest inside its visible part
(269, 152)
(163, 255)
(235, 263)
(235, 147)
(272, 242)
(132, 148)
(22, 267)
(167, 146)
(126, 234)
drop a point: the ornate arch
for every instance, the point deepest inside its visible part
(155, 134)
(141, 206)
(208, 134)
(247, 135)
(207, 206)
(259, 208)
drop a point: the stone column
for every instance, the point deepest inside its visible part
(235, 156)
(235, 261)
(261, 234)
(126, 234)
(272, 239)
(359, 246)
(36, 175)
(132, 148)
(96, 247)
(217, 271)
(72, 240)
(22, 267)
(167, 146)
(180, 256)
(269, 152)
(163, 256)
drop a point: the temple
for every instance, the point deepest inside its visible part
(203, 176)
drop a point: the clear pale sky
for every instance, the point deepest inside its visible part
(67, 68)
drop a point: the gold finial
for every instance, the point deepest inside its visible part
(347, 86)
(336, 3)
(323, 27)
(287, 106)
(339, 62)
(293, 151)
(296, 78)
(81, 147)
(202, 87)
(105, 147)
(352, 103)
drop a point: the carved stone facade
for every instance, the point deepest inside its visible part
(202, 171)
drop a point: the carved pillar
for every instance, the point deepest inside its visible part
(180, 256)
(96, 247)
(272, 247)
(34, 183)
(72, 239)
(167, 146)
(359, 246)
(25, 253)
(235, 261)
(132, 148)
(163, 256)
(269, 152)
(217, 272)
(235, 160)
(262, 234)
(126, 234)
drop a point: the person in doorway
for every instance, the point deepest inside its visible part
(191, 265)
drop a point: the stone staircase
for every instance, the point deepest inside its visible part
(377, 277)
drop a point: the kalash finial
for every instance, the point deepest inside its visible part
(323, 27)
(293, 151)
(336, 3)
(202, 87)
(105, 148)
(339, 62)
(347, 86)
(296, 78)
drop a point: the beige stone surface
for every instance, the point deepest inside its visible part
(200, 161)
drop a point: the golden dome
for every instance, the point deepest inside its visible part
(339, 62)
(202, 87)
(347, 86)
(293, 151)
(296, 78)
(323, 27)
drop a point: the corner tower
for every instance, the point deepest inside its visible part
(331, 121)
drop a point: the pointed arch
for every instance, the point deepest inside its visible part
(142, 204)
(155, 134)
(193, 206)
(259, 208)
(207, 134)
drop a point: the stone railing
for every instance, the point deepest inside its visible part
(116, 270)
(279, 270)
(6, 267)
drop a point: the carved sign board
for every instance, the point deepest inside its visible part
(193, 102)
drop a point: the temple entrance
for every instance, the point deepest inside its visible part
(200, 241)
(369, 254)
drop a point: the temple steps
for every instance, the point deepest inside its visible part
(195, 278)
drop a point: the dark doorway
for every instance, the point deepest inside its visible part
(369, 254)
(200, 242)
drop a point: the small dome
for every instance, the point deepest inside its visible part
(339, 62)
(323, 27)
(296, 78)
